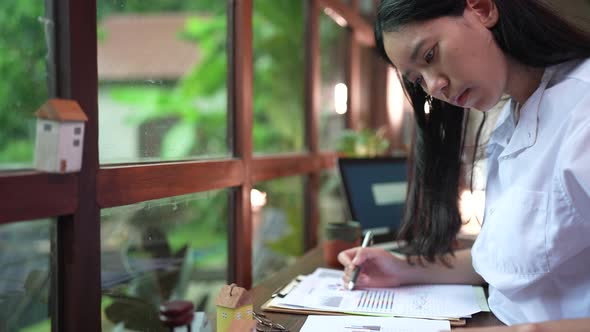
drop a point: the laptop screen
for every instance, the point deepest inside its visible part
(375, 190)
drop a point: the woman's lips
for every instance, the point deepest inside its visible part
(462, 99)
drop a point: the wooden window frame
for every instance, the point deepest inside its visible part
(76, 199)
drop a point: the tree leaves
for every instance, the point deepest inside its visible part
(179, 140)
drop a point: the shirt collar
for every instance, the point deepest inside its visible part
(504, 126)
(525, 133)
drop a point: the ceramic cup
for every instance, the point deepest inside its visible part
(339, 237)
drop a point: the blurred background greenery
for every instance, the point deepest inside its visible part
(176, 247)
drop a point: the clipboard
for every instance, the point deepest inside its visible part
(273, 305)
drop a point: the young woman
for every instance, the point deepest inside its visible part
(534, 247)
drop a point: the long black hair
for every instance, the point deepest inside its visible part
(526, 31)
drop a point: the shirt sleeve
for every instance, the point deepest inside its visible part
(573, 177)
(575, 160)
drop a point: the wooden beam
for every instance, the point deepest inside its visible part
(312, 115)
(32, 195)
(138, 183)
(312, 75)
(78, 238)
(268, 168)
(362, 30)
(353, 80)
(240, 78)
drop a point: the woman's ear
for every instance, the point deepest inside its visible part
(484, 10)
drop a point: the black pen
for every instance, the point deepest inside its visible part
(355, 273)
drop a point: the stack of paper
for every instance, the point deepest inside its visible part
(324, 292)
(370, 324)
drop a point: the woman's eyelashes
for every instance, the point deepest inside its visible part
(429, 56)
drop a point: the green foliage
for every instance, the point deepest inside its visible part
(292, 243)
(363, 143)
(20, 151)
(199, 99)
(286, 194)
(278, 76)
(24, 78)
(108, 7)
(41, 326)
(179, 141)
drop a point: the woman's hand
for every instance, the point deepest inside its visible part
(379, 268)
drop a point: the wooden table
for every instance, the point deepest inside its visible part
(306, 265)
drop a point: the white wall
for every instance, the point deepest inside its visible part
(118, 136)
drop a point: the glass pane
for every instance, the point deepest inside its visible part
(155, 251)
(333, 208)
(24, 83)
(162, 80)
(277, 218)
(27, 275)
(278, 37)
(334, 91)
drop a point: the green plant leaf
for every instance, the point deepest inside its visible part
(179, 141)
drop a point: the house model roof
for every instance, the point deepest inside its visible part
(61, 110)
(232, 296)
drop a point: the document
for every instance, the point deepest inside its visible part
(323, 290)
(370, 324)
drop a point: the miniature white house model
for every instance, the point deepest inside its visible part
(60, 134)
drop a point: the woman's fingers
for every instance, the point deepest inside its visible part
(345, 257)
(361, 281)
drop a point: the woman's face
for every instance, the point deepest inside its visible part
(454, 59)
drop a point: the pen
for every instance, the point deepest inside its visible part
(355, 273)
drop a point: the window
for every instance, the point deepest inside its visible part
(26, 32)
(333, 206)
(27, 275)
(334, 89)
(167, 158)
(162, 80)
(277, 225)
(278, 41)
(160, 250)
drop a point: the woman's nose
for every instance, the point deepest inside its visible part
(436, 86)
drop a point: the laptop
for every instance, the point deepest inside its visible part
(375, 190)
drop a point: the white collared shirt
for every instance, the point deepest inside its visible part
(534, 246)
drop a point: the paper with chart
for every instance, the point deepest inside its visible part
(323, 290)
(370, 324)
